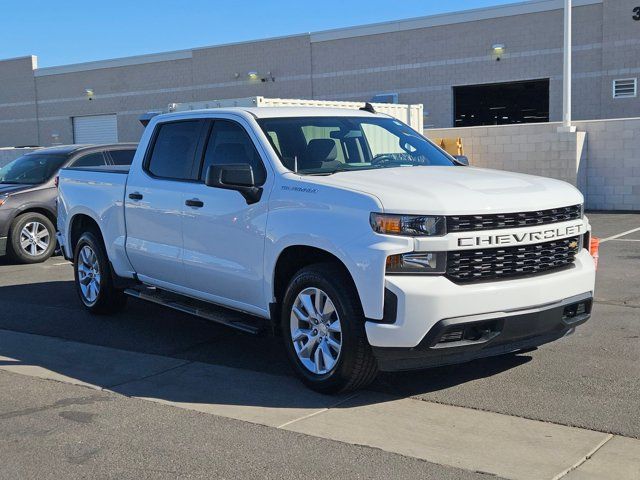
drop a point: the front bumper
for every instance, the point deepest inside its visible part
(463, 339)
(424, 301)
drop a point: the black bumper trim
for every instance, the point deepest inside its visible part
(503, 335)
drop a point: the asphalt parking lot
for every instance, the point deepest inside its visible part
(589, 380)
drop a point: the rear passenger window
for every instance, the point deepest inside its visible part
(174, 149)
(121, 157)
(228, 144)
(91, 160)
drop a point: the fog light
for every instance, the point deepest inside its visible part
(418, 263)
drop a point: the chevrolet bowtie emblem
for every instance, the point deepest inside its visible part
(573, 244)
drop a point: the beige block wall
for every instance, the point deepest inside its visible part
(536, 149)
(602, 158)
(613, 168)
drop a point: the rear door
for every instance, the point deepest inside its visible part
(223, 236)
(154, 201)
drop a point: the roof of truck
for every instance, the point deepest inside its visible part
(283, 112)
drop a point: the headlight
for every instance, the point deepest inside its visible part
(3, 199)
(418, 263)
(410, 225)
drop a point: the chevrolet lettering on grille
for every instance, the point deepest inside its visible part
(520, 238)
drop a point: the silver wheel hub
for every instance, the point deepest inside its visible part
(89, 274)
(316, 331)
(34, 239)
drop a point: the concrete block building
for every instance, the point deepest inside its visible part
(491, 66)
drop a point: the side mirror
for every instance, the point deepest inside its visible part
(238, 177)
(462, 160)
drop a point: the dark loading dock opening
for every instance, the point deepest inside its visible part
(501, 103)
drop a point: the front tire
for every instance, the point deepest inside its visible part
(323, 330)
(32, 238)
(93, 277)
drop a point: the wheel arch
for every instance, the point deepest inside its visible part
(295, 257)
(36, 209)
(78, 224)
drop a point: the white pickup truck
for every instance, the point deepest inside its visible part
(364, 244)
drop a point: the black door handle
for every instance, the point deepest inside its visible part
(135, 196)
(194, 202)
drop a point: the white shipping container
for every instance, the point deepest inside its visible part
(412, 115)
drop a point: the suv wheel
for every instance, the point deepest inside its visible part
(323, 331)
(32, 238)
(93, 279)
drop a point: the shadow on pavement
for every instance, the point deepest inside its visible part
(193, 362)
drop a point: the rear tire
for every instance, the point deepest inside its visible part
(32, 238)
(93, 277)
(323, 330)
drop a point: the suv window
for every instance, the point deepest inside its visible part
(229, 143)
(92, 160)
(174, 149)
(121, 157)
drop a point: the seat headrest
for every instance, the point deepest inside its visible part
(318, 151)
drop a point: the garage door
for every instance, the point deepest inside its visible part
(95, 129)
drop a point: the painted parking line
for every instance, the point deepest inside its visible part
(613, 237)
(501, 445)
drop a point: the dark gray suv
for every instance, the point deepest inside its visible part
(28, 192)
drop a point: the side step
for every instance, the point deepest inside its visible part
(231, 318)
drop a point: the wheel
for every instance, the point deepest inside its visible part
(32, 238)
(93, 279)
(323, 331)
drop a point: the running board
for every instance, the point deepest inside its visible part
(230, 318)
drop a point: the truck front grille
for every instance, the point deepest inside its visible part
(474, 223)
(495, 263)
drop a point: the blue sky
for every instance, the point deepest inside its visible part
(71, 31)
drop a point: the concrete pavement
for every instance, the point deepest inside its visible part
(590, 380)
(473, 440)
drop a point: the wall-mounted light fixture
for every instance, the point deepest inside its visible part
(252, 75)
(497, 51)
(88, 92)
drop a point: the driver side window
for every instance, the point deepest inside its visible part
(228, 144)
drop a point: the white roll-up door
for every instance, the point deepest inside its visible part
(95, 129)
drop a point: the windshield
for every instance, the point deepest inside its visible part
(325, 145)
(31, 169)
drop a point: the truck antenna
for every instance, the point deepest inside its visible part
(368, 108)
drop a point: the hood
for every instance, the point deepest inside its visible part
(9, 189)
(456, 190)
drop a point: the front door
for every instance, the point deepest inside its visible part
(154, 201)
(223, 236)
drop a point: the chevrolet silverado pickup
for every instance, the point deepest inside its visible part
(365, 245)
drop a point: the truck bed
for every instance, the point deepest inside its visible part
(98, 193)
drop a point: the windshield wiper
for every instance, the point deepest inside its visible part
(10, 183)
